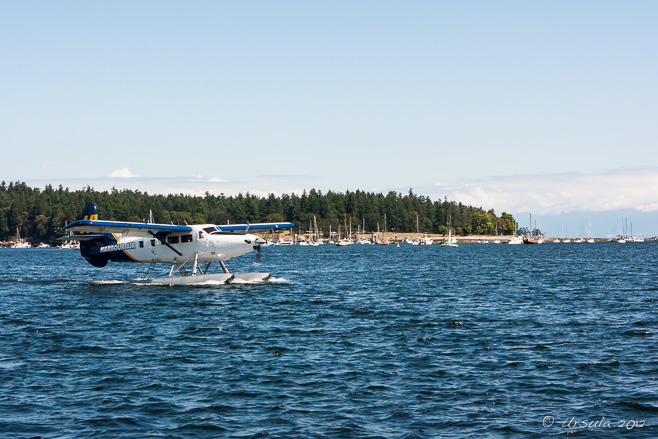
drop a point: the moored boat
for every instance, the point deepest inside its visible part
(515, 240)
(20, 242)
(532, 239)
(451, 242)
(285, 242)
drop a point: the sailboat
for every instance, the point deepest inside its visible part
(416, 240)
(301, 239)
(590, 240)
(385, 241)
(363, 239)
(531, 239)
(331, 236)
(20, 243)
(634, 238)
(622, 233)
(451, 242)
(313, 236)
(343, 242)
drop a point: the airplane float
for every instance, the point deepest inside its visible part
(176, 245)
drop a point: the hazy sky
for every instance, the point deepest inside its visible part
(543, 107)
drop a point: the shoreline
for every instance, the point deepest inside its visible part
(468, 239)
(436, 238)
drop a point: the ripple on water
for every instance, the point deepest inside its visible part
(343, 342)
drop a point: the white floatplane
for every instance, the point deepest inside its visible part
(179, 246)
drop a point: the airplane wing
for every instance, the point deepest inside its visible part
(89, 228)
(253, 228)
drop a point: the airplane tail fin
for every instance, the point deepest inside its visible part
(89, 212)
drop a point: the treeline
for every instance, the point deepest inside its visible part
(41, 214)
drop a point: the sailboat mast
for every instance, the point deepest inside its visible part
(531, 225)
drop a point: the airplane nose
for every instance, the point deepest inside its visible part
(257, 242)
(254, 240)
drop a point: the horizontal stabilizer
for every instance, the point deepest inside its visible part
(79, 237)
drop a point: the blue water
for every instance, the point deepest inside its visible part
(353, 342)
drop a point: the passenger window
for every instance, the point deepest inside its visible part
(141, 244)
(152, 242)
(186, 238)
(172, 239)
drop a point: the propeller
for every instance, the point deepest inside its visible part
(257, 245)
(257, 258)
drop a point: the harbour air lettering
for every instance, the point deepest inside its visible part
(118, 247)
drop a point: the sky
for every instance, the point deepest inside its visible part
(548, 108)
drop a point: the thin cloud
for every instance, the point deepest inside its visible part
(202, 179)
(622, 189)
(122, 173)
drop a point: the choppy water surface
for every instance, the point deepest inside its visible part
(363, 341)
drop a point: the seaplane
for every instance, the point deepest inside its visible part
(186, 248)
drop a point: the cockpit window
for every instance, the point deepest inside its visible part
(210, 230)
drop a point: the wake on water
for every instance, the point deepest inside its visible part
(108, 282)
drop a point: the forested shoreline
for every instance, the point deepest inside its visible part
(40, 214)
